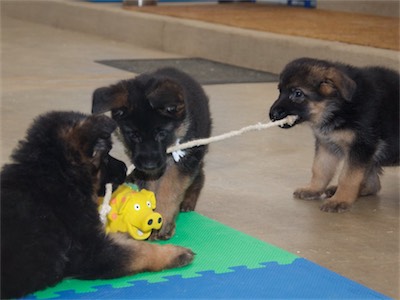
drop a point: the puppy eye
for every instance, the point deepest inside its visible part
(171, 109)
(133, 135)
(161, 135)
(297, 95)
(118, 113)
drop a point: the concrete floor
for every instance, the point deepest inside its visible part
(249, 179)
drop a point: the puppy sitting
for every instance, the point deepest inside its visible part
(354, 115)
(155, 111)
(50, 226)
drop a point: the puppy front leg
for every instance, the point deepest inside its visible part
(323, 169)
(348, 188)
(119, 255)
(192, 193)
(371, 184)
(170, 191)
(144, 256)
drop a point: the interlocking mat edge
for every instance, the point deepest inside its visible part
(228, 264)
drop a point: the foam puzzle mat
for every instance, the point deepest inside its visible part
(228, 264)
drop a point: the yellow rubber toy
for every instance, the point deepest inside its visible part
(132, 212)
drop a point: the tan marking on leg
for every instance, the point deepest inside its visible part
(170, 190)
(192, 193)
(323, 169)
(348, 189)
(145, 256)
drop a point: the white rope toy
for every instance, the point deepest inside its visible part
(200, 142)
(177, 153)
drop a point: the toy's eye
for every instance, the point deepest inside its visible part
(148, 204)
(136, 207)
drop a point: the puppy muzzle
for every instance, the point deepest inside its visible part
(279, 114)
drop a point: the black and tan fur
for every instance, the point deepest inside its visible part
(155, 111)
(50, 225)
(354, 115)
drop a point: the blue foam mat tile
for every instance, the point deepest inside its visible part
(301, 279)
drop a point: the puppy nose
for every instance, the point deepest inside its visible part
(149, 165)
(277, 114)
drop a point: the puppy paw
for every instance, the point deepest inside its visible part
(330, 191)
(162, 257)
(335, 206)
(369, 190)
(185, 207)
(307, 194)
(165, 233)
(182, 257)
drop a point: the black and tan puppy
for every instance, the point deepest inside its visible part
(354, 114)
(50, 225)
(154, 111)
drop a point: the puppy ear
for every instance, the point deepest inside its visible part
(166, 96)
(92, 137)
(102, 129)
(108, 98)
(338, 82)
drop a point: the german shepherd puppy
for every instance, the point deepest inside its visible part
(50, 225)
(354, 115)
(155, 111)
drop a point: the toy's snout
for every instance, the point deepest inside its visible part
(153, 221)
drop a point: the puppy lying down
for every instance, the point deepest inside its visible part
(50, 226)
